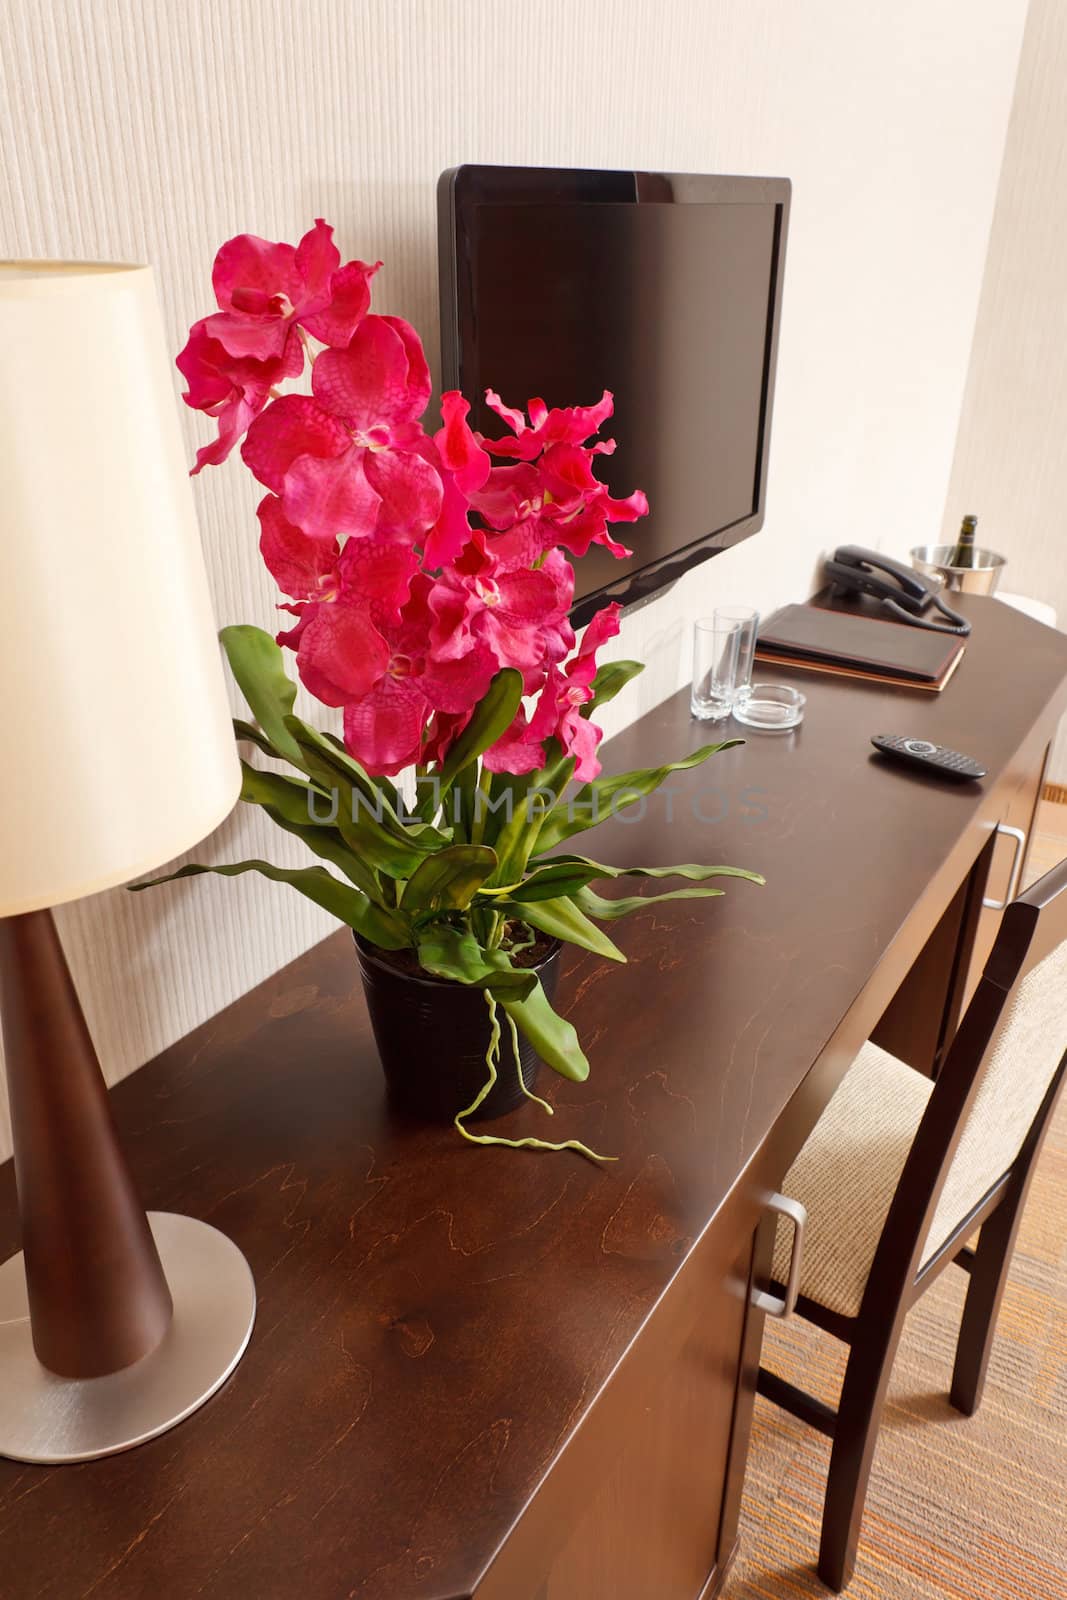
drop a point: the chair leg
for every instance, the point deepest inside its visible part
(989, 1274)
(859, 1415)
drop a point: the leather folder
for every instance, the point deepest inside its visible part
(865, 647)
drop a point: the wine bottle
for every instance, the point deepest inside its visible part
(962, 554)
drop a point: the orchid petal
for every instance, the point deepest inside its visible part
(581, 738)
(420, 384)
(507, 490)
(525, 597)
(331, 497)
(369, 384)
(271, 341)
(317, 260)
(349, 302)
(408, 487)
(515, 751)
(292, 426)
(455, 686)
(383, 729)
(302, 567)
(460, 451)
(377, 572)
(250, 271)
(233, 419)
(200, 362)
(514, 419)
(451, 530)
(604, 625)
(341, 654)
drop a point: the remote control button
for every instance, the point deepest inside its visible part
(919, 747)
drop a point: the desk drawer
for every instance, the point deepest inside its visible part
(635, 1507)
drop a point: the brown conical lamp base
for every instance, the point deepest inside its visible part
(95, 1354)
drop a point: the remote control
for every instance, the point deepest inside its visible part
(934, 757)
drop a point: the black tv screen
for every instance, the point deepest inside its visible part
(665, 289)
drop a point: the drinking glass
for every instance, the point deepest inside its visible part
(747, 621)
(716, 646)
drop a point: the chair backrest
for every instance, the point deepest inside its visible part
(997, 1087)
(1013, 1081)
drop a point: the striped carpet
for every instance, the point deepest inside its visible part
(958, 1508)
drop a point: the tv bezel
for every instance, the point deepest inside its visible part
(461, 189)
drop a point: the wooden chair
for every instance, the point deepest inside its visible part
(901, 1171)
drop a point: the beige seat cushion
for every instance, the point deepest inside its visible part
(847, 1174)
(848, 1171)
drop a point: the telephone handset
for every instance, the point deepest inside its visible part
(904, 592)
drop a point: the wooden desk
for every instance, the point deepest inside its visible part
(481, 1372)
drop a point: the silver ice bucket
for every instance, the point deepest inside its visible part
(981, 578)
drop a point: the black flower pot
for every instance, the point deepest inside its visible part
(433, 1034)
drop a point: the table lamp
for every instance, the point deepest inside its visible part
(118, 755)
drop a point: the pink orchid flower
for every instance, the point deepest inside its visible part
(463, 467)
(404, 611)
(233, 391)
(558, 711)
(519, 612)
(551, 496)
(349, 459)
(564, 425)
(386, 727)
(265, 292)
(345, 600)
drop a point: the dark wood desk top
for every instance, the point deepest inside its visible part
(435, 1320)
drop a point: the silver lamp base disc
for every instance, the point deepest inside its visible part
(47, 1419)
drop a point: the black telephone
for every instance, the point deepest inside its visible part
(906, 593)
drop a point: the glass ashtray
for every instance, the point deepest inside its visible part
(771, 706)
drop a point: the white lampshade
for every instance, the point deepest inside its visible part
(117, 747)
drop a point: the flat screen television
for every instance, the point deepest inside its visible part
(665, 288)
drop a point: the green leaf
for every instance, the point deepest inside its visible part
(551, 1035)
(596, 801)
(448, 880)
(379, 793)
(596, 906)
(293, 798)
(610, 679)
(289, 804)
(459, 806)
(366, 820)
(533, 804)
(348, 905)
(697, 872)
(388, 789)
(562, 876)
(564, 920)
(566, 874)
(329, 763)
(258, 666)
(507, 795)
(494, 713)
(449, 952)
(247, 731)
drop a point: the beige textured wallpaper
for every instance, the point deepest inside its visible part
(153, 131)
(1011, 457)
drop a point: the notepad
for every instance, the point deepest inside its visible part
(820, 640)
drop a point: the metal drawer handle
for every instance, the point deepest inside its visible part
(798, 1216)
(1018, 837)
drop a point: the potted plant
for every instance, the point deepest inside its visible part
(430, 586)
